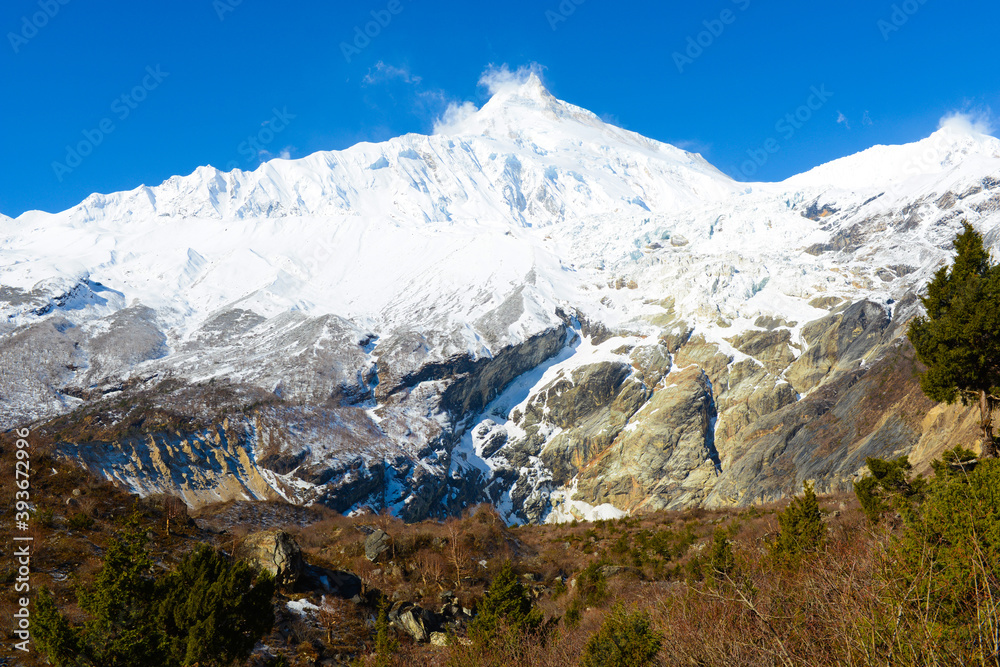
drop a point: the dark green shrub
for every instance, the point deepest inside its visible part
(591, 586)
(120, 630)
(887, 488)
(80, 521)
(721, 560)
(626, 639)
(802, 531)
(211, 611)
(949, 560)
(386, 644)
(957, 461)
(208, 612)
(505, 613)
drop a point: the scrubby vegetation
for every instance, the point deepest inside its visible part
(207, 612)
(907, 575)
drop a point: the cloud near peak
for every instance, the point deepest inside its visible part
(499, 79)
(495, 79)
(968, 122)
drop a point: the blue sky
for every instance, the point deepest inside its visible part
(158, 88)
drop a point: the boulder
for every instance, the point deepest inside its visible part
(414, 620)
(377, 544)
(413, 624)
(274, 551)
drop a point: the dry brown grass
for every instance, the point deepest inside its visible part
(832, 610)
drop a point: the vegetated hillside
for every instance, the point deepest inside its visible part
(532, 309)
(715, 587)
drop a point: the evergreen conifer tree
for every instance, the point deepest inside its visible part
(802, 529)
(959, 338)
(505, 613)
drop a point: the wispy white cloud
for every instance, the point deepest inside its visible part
(453, 117)
(866, 120)
(495, 79)
(842, 120)
(285, 154)
(382, 72)
(692, 145)
(971, 121)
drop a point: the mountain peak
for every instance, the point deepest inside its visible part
(520, 107)
(520, 88)
(956, 147)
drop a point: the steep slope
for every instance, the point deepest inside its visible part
(531, 308)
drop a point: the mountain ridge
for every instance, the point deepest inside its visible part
(514, 317)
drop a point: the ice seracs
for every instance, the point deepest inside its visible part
(383, 297)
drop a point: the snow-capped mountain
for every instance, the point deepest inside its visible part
(531, 308)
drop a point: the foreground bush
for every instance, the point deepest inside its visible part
(802, 529)
(950, 577)
(208, 612)
(626, 639)
(505, 613)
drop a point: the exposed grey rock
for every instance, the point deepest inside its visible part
(377, 544)
(772, 348)
(837, 341)
(413, 624)
(668, 460)
(414, 620)
(273, 551)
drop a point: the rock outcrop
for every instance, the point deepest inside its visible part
(668, 459)
(273, 551)
(376, 544)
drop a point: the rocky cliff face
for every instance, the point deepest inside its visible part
(540, 311)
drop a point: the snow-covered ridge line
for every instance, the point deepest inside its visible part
(357, 289)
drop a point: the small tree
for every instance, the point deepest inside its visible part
(457, 552)
(802, 530)
(52, 632)
(213, 611)
(591, 585)
(208, 612)
(120, 630)
(386, 644)
(626, 639)
(947, 561)
(505, 613)
(959, 339)
(957, 461)
(721, 560)
(888, 487)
